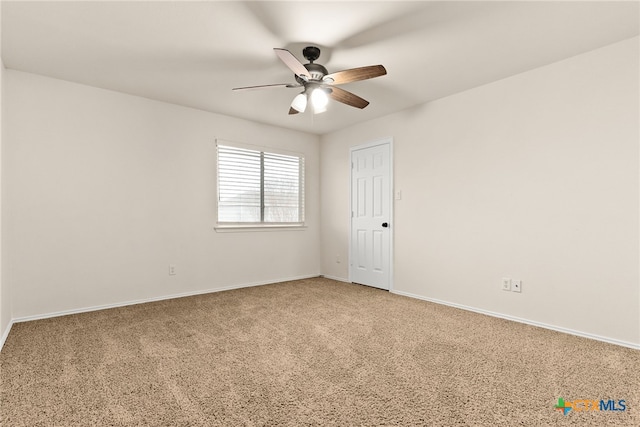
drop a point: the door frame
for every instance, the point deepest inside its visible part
(384, 141)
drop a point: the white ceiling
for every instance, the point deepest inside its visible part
(193, 53)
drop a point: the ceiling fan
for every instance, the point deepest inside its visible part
(318, 84)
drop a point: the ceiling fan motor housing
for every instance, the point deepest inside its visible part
(316, 71)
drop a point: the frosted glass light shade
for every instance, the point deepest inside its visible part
(319, 100)
(299, 103)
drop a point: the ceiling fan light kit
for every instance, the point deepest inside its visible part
(318, 84)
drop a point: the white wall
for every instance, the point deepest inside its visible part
(5, 297)
(534, 177)
(102, 191)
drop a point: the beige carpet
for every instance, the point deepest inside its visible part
(305, 353)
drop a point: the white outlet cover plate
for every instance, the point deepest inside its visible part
(506, 284)
(516, 285)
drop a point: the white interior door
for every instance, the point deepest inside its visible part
(370, 258)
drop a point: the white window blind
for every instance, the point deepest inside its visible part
(256, 186)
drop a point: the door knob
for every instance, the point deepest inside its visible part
(385, 224)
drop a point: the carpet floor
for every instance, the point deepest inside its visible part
(311, 352)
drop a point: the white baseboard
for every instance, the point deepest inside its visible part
(339, 279)
(5, 334)
(521, 320)
(153, 299)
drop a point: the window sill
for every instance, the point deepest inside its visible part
(235, 228)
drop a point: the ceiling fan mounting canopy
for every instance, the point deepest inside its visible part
(311, 53)
(315, 78)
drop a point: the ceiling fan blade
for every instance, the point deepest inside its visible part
(355, 74)
(264, 86)
(293, 63)
(293, 111)
(348, 98)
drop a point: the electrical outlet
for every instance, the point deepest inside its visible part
(516, 285)
(172, 270)
(506, 284)
(338, 259)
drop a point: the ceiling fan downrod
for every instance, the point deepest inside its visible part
(317, 71)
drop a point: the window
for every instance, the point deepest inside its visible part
(259, 187)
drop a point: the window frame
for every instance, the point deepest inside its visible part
(222, 226)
